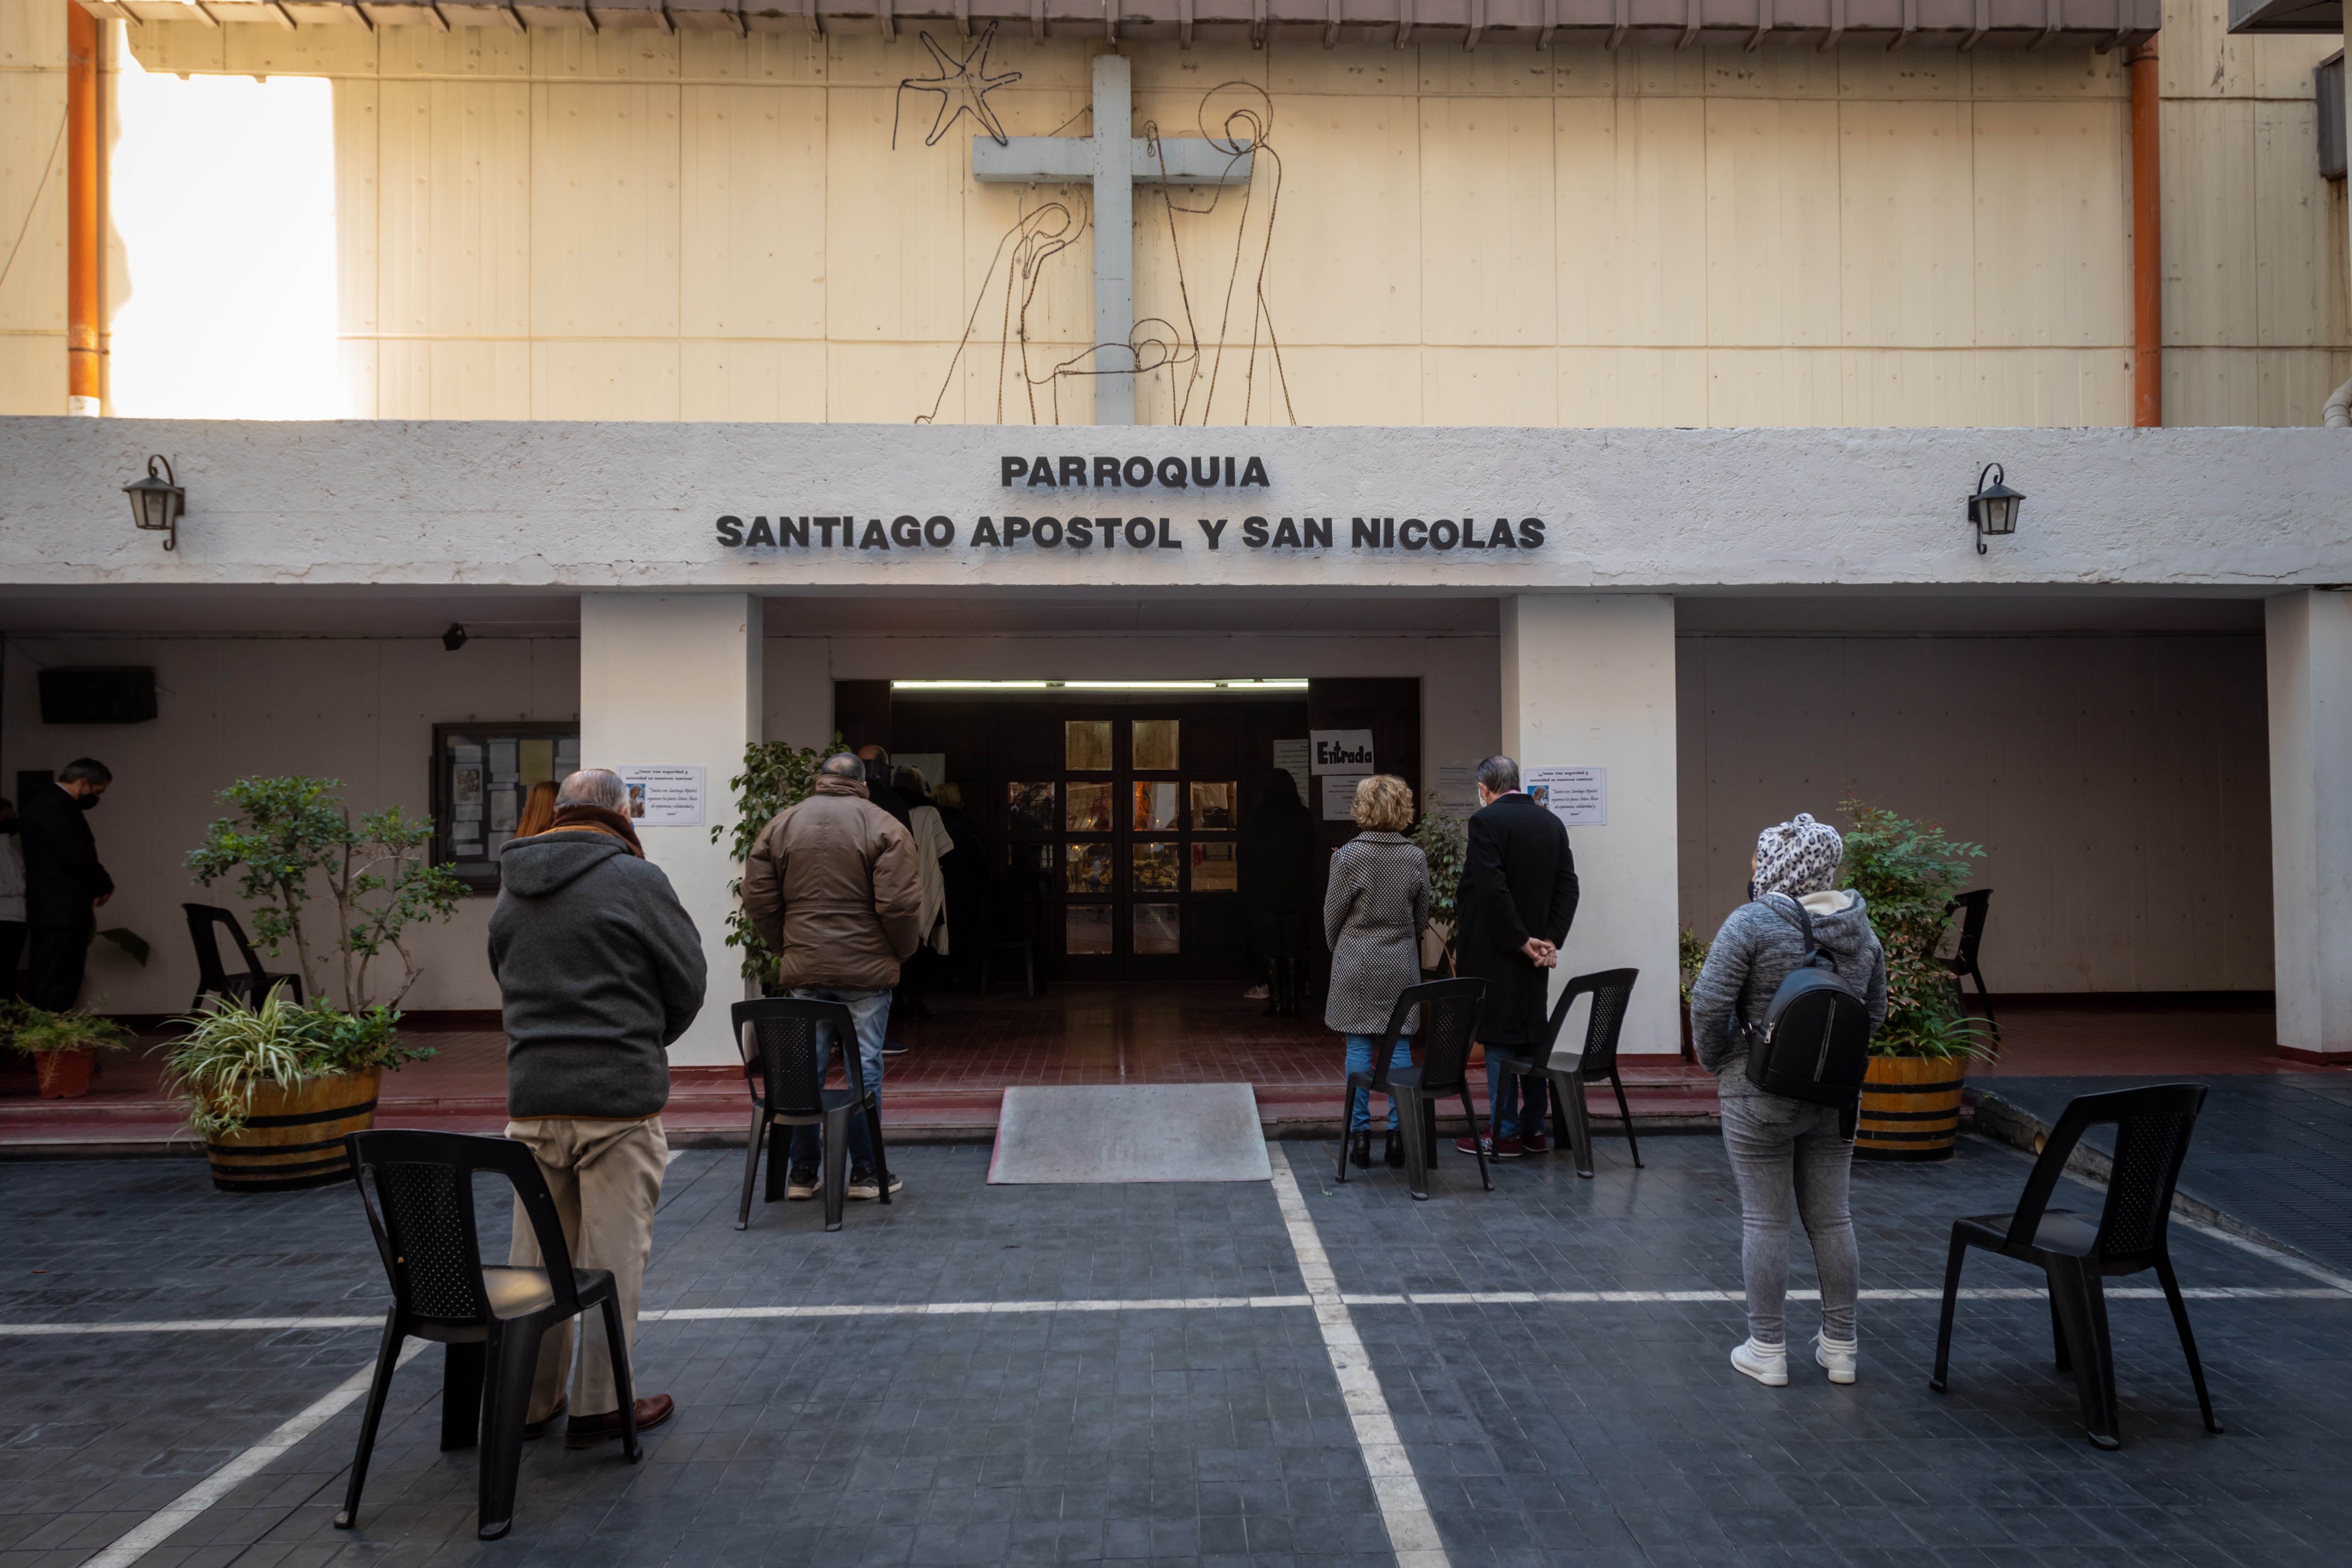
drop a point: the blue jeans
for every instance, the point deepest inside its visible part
(870, 1012)
(1360, 1059)
(1516, 1103)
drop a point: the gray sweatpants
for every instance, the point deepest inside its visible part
(1788, 1158)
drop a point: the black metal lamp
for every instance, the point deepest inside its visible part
(454, 638)
(1993, 509)
(156, 503)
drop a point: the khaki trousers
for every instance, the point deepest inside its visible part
(605, 1178)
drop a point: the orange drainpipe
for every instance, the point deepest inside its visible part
(2148, 240)
(85, 366)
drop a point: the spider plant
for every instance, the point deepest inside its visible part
(231, 1048)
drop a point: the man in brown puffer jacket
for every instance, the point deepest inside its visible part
(833, 890)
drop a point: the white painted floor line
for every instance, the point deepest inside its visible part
(2283, 1259)
(1214, 1304)
(164, 1523)
(1412, 1534)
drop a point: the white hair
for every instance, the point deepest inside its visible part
(594, 786)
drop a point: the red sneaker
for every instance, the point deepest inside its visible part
(1476, 1145)
(1536, 1143)
(1508, 1149)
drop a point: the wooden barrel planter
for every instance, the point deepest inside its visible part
(1910, 1108)
(293, 1138)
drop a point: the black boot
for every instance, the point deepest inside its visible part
(1359, 1150)
(1293, 982)
(1393, 1151)
(1272, 989)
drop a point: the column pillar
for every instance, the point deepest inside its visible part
(673, 679)
(1589, 681)
(2309, 637)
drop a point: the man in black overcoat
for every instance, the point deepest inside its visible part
(1517, 900)
(64, 883)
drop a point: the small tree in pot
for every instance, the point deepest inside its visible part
(775, 776)
(1445, 843)
(1908, 872)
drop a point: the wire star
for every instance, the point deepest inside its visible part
(962, 89)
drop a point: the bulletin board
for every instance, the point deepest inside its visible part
(482, 774)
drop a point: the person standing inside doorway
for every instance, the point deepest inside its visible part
(1515, 902)
(12, 900)
(831, 888)
(65, 886)
(1275, 874)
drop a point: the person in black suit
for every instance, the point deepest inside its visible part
(64, 883)
(1514, 903)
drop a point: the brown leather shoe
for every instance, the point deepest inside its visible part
(588, 1431)
(539, 1428)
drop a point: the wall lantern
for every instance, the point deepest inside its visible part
(1993, 509)
(156, 503)
(454, 638)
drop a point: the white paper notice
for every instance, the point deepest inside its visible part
(1577, 796)
(663, 796)
(502, 811)
(1290, 756)
(1457, 788)
(1340, 795)
(502, 762)
(1343, 752)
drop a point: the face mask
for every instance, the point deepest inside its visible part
(1752, 894)
(7, 827)
(87, 801)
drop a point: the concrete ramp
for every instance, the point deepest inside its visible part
(1129, 1132)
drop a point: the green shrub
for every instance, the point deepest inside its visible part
(775, 775)
(1906, 872)
(232, 1047)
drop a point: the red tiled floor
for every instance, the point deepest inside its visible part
(963, 1057)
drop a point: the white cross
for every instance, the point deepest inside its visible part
(1113, 162)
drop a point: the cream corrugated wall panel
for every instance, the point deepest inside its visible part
(2212, 386)
(1996, 74)
(1487, 221)
(404, 378)
(1775, 386)
(2210, 228)
(787, 58)
(1490, 387)
(1772, 223)
(33, 202)
(605, 211)
(889, 384)
(303, 52)
(1907, 76)
(1769, 74)
(604, 378)
(1906, 232)
(1350, 200)
(2052, 386)
(456, 178)
(1658, 73)
(2291, 385)
(2299, 279)
(1061, 295)
(483, 53)
(621, 54)
(894, 229)
(1600, 387)
(2052, 223)
(1375, 385)
(753, 212)
(751, 381)
(476, 380)
(1910, 387)
(1632, 221)
(358, 261)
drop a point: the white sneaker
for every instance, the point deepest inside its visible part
(1837, 1359)
(1768, 1364)
(1254, 993)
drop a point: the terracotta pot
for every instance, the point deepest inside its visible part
(1910, 1108)
(293, 1138)
(63, 1075)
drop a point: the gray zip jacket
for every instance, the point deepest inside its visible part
(1755, 950)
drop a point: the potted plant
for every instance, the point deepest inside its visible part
(271, 1088)
(1906, 872)
(775, 776)
(63, 1046)
(1691, 957)
(1444, 842)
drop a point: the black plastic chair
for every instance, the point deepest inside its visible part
(490, 1316)
(1611, 990)
(1015, 915)
(1970, 907)
(212, 978)
(2076, 1253)
(787, 1057)
(1448, 1029)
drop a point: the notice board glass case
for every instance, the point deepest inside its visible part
(482, 774)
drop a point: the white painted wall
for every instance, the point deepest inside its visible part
(231, 708)
(676, 680)
(2309, 646)
(2117, 784)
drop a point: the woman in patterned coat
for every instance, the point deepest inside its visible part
(1374, 910)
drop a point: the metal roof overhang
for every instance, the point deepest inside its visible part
(1468, 23)
(2287, 16)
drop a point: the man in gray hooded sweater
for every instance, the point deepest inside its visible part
(1787, 1154)
(599, 969)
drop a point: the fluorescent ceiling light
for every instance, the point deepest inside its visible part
(1279, 683)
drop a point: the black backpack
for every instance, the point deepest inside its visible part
(1813, 1043)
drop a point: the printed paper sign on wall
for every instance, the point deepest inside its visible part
(663, 796)
(1577, 796)
(1342, 751)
